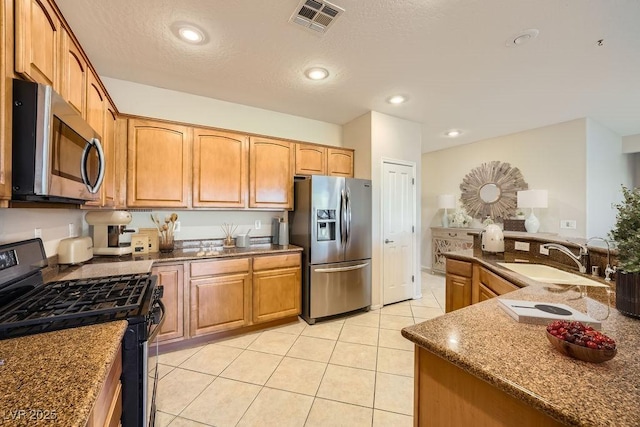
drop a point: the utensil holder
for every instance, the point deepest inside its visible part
(166, 244)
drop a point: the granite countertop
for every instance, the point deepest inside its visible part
(517, 358)
(54, 378)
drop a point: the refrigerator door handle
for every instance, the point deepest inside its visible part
(339, 269)
(343, 218)
(348, 226)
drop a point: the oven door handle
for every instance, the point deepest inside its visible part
(154, 330)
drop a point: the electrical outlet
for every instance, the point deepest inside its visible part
(37, 233)
(543, 250)
(258, 224)
(522, 246)
(72, 230)
(568, 224)
(177, 227)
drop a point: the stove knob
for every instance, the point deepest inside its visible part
(159, 291)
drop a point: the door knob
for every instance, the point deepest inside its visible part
(388, 241)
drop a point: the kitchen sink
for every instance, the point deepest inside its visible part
(546, 274)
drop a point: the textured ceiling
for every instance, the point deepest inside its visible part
(448, 56)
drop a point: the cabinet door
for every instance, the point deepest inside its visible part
(485, 293)
(458, 292)
(109, 146)
(311, 159)
(276, 294)
(37, 41)
(158, 164)
(220, 171)
(73, 82)
(271, 173)
(171, 278)
(219, 303)
(6, 88)
(340, 162)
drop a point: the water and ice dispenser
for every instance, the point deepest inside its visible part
(326, 224)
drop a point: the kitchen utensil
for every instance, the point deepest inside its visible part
(578, 352)
(243, 240)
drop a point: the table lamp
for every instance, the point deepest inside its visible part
(532, 199)
(446, 201)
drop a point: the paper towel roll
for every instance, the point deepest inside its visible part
(283, 234)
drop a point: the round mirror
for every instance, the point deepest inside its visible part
(491, 190)
(489, 193)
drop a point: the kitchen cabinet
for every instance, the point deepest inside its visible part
(74, 74)
(107, 410)
(37, 41)
(109, 146)
(6, 67)
(271, 170)
(220, 169)
(95, 116)
(311, 159)
(458, 284)
(447, 240)
(220, 293)
(340, 162)
(158, 164)
(276, 287)
(171, 278)
(487, 284)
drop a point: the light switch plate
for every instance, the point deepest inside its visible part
(568, 224)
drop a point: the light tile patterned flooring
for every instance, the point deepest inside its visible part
(353, 371)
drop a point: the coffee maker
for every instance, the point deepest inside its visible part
(107, 230)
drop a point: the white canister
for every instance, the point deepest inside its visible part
(492, 239)
(283, 234)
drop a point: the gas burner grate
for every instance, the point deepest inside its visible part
(71, 303)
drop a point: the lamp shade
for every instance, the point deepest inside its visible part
(446, 201)
(533, 199)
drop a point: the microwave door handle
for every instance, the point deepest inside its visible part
(95, 142)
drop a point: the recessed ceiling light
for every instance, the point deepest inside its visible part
(317, 73)
(522, 37)
(188, 33)
(396, 99)
(453, 133)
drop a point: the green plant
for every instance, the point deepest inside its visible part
(626, 231)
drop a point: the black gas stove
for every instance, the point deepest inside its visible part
(29, 306)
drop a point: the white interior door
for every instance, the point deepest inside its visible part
(398, 213)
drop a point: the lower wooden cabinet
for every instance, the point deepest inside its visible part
(171, 278)
(276, 287)
(107, 410)
(458, 284)
(469, 283)
(220, 295)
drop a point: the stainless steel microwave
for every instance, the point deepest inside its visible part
(57, 156)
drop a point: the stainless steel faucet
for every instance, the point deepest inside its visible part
(581, 260)
(608, 269)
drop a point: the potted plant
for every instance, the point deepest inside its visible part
(626, 233)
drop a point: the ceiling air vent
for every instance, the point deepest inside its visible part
(316, 15)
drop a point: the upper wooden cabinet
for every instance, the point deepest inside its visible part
(311, 159)
(6, 61)
(271, 168)
(37, 41)
(220, 169)
(74, 72)
(158, 164)
(340, 162)
(95, 115)
(109, 146)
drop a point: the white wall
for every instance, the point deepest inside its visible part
(149, 101)
(551, 158)
(607, 169)
(357, 135)
(19, 224)
(390, 138)
(631, 144)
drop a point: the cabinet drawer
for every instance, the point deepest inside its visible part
(276, 261)
(496, 283)
(210, 268)
(460, 268)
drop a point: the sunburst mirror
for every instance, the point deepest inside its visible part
(491, 190)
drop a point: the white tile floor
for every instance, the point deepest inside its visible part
(354, 371)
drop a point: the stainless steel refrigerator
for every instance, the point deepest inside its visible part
(332, 222)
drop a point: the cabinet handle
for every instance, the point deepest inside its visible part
(388, 241)
(453, 234)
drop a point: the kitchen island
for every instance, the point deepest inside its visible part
(478, 366)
